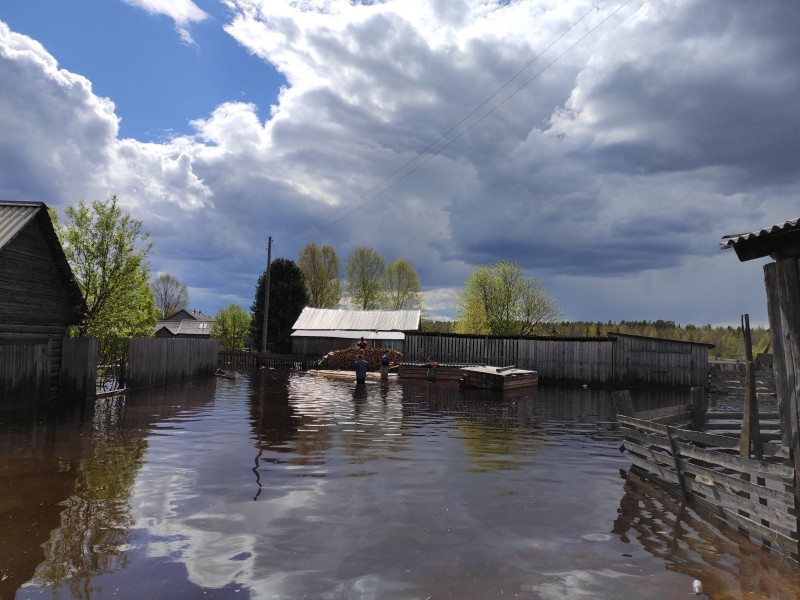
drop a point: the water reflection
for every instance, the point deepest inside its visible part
(727, 563)
(400, 489)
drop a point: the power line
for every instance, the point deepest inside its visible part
(358, 204)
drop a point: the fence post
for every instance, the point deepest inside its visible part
(622, 404)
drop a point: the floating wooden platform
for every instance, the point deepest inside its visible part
(498, 378)
(444, 372)
(349, 375)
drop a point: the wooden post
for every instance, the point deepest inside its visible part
(622, 404)
(266, 297)
(698, 407)
(750, 439)
(674, 448)
(786, 309)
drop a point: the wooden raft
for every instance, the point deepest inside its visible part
(498, 378)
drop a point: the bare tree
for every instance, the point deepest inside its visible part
(171, 295)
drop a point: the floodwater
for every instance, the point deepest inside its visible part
(304, 487)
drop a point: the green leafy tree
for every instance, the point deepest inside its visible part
(402, 286)
(171, 295)
(231, 328)
(320, 267)
(287, 299)
(499, 299)
(107, 251)
(364, 281)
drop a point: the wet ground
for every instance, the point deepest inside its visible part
(305, 487)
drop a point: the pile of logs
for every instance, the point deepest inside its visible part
(344, 359)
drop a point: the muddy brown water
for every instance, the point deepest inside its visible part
(305, 487)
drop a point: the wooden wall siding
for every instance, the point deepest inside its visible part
(158, 361)
(753, 495)
(624, 361)
(659, 363)
(78, 376)
(24, 371)
(34, 292)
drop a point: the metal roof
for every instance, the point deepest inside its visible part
(329, 319)
(349, 333)
(14, 216)
(185, 327)
(778, 239)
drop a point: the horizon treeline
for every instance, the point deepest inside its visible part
(727, 340)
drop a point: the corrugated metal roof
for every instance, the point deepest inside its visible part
(329, 319)
(14, 216)
(350, 334)
(733, 239)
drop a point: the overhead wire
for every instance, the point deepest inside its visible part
(432, 153)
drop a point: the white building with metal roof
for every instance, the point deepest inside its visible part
(321, 330)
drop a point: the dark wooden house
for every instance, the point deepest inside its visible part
(39, 300)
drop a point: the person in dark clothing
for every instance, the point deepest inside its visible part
(385, 366)
(361, 369)
(362, 344)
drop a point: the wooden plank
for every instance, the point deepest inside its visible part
(736, 463)
(640, 424)
(665, 474)
(622, 404)
(668, 411)
(781, 498)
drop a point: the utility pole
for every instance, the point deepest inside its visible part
(266, 297)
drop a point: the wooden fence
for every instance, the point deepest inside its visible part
(78, 368)
(732, 383)
(617, 360)
(694, 454)
(158, 361)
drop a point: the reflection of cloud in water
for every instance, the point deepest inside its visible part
(569, 585)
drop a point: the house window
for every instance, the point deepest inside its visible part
(393, 345)
(203, 325)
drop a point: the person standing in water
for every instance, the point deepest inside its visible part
(385, 366)
(361, 368)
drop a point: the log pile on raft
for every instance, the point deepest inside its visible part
(344, 359)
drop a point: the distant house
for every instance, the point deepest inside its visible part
(40, 299)
(321, 330)
(185, 324)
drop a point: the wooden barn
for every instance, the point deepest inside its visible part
(318, 331)
(39, 301)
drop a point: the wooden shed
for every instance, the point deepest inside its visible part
(185, 324)
(321, 330)
(40, 299)
(781, 243)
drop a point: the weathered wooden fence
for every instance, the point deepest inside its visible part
(732, 383)
(618, 360)
(686, 449)
(158, 361)
(246, 361)
(78, 367)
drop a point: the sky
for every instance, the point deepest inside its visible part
(606, 147)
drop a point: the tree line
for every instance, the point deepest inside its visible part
(108, 252)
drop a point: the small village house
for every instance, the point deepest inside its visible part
(185, 324)
(322, 330)
(40, 300)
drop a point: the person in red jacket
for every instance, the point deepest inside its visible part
(361, 344)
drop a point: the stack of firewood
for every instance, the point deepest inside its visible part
(344, 359)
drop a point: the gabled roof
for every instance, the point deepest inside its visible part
(14, 216)
(357, 320)
(189, 315)
(779, 241)
(185, 327)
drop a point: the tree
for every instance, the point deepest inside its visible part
(107, 251)
(171, 295)
(499, 299)
(402, 285)
(287, 298)
(320, 267)
(231, 327)
(364, 281)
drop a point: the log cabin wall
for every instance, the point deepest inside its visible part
(37, 307)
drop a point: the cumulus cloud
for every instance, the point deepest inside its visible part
(615, 169)
(182, 12)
